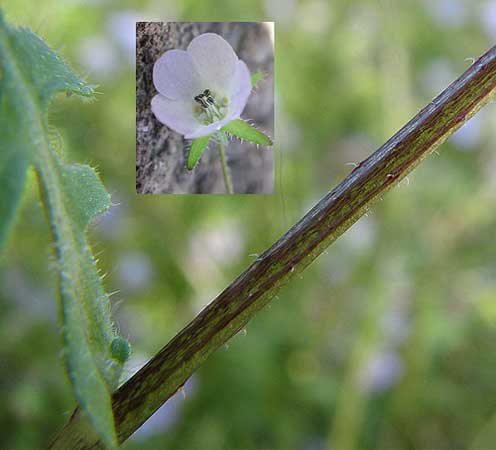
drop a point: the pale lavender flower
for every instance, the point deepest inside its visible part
(200, 89)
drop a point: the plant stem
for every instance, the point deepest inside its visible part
(137, 399)
(225, 168)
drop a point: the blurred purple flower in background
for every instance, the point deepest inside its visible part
(437, 74)
(98, 56)
(488, 18)
(200, 89)
(121, 27)
(448, 13)
(134, 271)
(168, 414)
(470, 135)
(383, 370)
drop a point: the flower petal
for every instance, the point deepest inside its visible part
(215, 60)
(176, 114)
(205, 130)
(241, 90)
(175, 75)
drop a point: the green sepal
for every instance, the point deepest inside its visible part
(197, 148)
(245, 131)
(256, 77)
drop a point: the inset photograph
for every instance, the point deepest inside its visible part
(204, 107)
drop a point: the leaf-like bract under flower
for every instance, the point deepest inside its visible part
(197, 148)
(245, 131)
(256, 77)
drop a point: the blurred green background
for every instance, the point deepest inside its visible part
(386, 342)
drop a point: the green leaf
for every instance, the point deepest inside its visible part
(31, 74)
(197, 148)
(256, 77)
(13, 168)
(245, 131)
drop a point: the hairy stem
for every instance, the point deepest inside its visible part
(225, 168)
(136, 400)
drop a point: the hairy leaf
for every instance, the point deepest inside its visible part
(245, 131)
(31, 73)
(12, 175)
(197, 148)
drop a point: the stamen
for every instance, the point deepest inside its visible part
(201, 100)
(209, 107)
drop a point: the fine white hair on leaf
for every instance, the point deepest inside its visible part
(116, 305)
(99, 253)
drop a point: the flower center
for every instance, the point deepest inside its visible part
(209, 108)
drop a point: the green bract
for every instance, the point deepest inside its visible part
(31, 74)
(256, 77)
(245, 131)
(197, 148)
